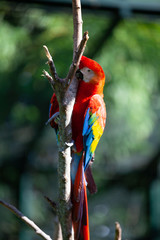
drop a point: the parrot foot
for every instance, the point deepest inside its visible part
(54, 117)
(73, 147)
(57, 118)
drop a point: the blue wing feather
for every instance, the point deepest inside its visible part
(89, 139)
(89, 129)
(85, 125)
(88, 136)
(88, 157)
(93, 126)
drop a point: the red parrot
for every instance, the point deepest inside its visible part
(88, 122)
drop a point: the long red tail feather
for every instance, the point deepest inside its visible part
(80, 205)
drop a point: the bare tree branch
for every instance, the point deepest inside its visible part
(52, 204)
(77, 57)
(118, 231)
(57, 226)
(50, 79)
(77, 24)
(65, 90)
(25, 219)
(51, 64)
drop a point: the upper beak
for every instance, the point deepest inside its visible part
(79, 74)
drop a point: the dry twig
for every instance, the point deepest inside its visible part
(50, 79)
(25, 219)
(52, 204)
(51, 64)
(118, 231)
(77, 57)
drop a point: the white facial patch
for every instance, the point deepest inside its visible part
(88, 74)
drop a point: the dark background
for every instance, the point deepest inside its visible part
(125, 40)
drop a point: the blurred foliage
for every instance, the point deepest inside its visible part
(134, 82)
(28, 151)
(131, 62)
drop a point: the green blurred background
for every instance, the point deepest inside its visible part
(126, 167)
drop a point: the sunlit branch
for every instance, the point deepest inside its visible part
(25, 219)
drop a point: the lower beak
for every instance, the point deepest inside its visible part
(79, 75)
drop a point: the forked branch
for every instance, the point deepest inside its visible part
(51, 64)
(73, 67)
(77, 57)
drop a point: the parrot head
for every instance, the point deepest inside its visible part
(90, 72)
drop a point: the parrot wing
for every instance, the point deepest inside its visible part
(93, 127)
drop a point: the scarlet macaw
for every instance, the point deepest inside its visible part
(88, 122)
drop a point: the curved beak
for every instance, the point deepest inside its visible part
(79, 75)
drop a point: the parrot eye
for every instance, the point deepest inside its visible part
(88, 74)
